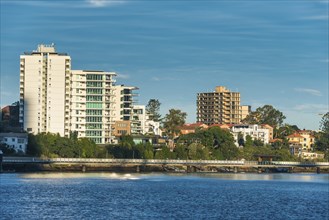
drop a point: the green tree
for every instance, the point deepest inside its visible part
(153, 108)
(126, 141)
(285, 131)
(6, 150)
(258, 143)
(322, 142)
(164, 153)
(87, 148)
(265, 115)
(324, 124)
(224, 141)
(181, 152)
(173, 120)
(249, 141)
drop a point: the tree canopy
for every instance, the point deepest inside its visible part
(153, 108)
(53, 145)
(265, 115)
(322, 142)
(173, 120)
(324, 124)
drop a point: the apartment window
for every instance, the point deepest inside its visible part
(94, 98)
(93, 119)
(94, 91)
(93, 112)
(94, 84)
(94, 105)
(94, 77)
(93, 133)
(93, 126)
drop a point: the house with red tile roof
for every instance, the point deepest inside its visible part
(190, 128)
(303, 138)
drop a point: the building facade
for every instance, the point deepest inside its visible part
(45, 91)
(124, 101)
(245, 111)
(15, 141)
(256, 132)
(92, 105)
(56, 99)
(142, 124)
(304, 138)
(219, 107)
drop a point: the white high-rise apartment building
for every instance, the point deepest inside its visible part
(124, 102)
(92, 105)
(56, 99)
(45, 91)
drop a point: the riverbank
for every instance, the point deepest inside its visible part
(12, 168)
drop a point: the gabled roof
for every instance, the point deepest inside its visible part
(266, 125)
(221, 125)
(295, 135)
(192, 126)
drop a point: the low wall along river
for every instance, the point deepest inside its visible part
(21, 164)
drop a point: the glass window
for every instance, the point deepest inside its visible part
(94, 105)
(94, 77)
(95, 91)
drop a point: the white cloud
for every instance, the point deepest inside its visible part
(312, 108)
(155, 78)
(122, 76)
(103, 3)
(309, 91)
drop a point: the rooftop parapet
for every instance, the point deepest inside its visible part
(43, 48)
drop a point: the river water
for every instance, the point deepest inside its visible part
(163, 196)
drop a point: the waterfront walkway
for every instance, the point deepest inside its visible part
(168, 162)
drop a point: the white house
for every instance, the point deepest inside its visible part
(256, 132)
(16, 141)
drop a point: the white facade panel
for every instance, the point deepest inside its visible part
(42, 90)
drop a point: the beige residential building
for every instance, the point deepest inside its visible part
(45, 91)
(121, 128)
(245, 111)
(303, 138)
(220, 107)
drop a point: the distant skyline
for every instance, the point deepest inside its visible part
(272, 52)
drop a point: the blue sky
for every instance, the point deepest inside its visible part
(272, 52)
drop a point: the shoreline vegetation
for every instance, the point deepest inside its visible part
(211, 144)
